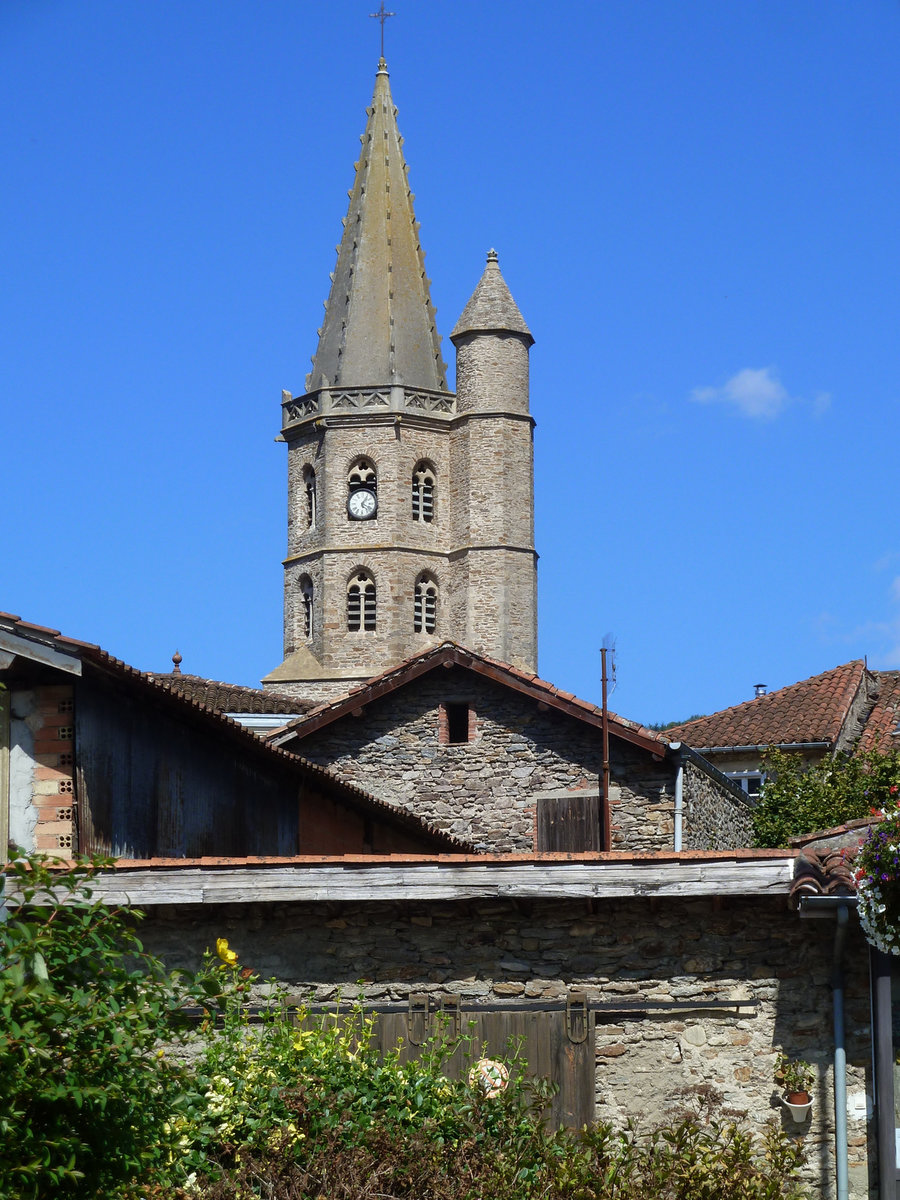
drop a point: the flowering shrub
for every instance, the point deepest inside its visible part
(303, 1106)
(877, 871)
(93, 1103)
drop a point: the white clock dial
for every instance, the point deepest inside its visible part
(361, 504)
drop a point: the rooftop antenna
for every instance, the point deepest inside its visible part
(607, 652)
(609, 645)
(382, 16)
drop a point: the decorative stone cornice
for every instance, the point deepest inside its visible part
(394, 398)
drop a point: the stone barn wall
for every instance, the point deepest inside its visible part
(753, 953)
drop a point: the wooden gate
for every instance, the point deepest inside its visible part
(555, 1040)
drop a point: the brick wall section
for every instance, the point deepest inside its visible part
(485, 790)
(714, 818)
(54, 769)
(617, 951)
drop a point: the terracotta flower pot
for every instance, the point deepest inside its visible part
(798, 1097)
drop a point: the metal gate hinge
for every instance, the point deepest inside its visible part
(417, 1018)
(576, 1017)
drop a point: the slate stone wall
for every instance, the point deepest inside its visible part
(772, 968)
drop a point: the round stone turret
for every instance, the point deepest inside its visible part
(492, 343)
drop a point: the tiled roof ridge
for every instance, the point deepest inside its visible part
(883, 721)
(529, 678)
(855, 669)
(173, 680)
(103, 658)
(29, 629)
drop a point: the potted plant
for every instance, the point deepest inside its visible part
(796, 1077)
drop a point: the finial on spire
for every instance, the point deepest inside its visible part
(492, 258)
(382, 16)
(177, 660)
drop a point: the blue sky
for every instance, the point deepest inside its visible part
(695, 205)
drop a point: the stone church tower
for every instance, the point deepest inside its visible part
(410, 509)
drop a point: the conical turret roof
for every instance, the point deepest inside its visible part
(379, 325)
(491, 306)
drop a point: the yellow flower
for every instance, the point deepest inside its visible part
(228, 957)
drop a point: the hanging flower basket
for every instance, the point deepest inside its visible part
(877, 873)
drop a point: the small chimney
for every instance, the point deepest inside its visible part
(760, 689)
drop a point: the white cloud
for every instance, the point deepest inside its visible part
(895, 588)
(758, 394)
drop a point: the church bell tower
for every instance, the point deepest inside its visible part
(410, 508)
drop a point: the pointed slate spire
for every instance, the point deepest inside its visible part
(379, 325)
(491, 306)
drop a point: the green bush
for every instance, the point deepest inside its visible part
(86, 1091)
(797, 799)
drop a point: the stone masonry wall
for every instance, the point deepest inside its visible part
(485, 790)
(620, 952)
(713, 819)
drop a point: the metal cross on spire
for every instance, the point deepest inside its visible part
(382, 16)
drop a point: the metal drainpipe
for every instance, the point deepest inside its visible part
(840, 1055)
(820, 906)
(679, 795)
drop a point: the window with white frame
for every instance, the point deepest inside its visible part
(749, 782)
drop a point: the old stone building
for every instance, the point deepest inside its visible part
(410, 508)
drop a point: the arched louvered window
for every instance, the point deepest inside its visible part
(425, 605)
(306, 600)
(309, 483)
(423, 490)
(361, 603)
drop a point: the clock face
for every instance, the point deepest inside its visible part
(362, 504)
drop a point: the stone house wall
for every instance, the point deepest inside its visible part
(486, 790)
(649, 1063)
(715, 817)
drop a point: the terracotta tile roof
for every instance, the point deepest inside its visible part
(191, 710)
(824, 863)
(884, 718)
(231, 697)
(813, 710)
(451, 653)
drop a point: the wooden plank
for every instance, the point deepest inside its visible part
(446, 881)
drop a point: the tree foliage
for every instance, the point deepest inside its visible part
(86, 1091)
(798, 799)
